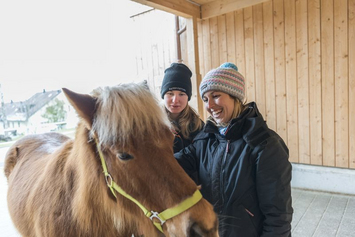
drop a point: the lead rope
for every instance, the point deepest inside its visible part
(164, 215)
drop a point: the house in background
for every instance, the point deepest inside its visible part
(26, 117)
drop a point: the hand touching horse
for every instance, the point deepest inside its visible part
(118, 177)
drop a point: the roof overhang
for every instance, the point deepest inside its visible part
(201, 9)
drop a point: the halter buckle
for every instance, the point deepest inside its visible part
(156, 215)
(108, 179)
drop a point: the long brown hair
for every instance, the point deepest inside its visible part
(187, 122)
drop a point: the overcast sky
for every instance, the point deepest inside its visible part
(78, 44)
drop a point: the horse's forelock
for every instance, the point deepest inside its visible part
(127, 112)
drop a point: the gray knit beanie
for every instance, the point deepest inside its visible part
(225, 78)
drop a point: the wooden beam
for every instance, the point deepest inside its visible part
(177, 7)
(220, 7)
(194, 63)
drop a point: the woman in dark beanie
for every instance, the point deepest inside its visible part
(240, 163)
(176, 92)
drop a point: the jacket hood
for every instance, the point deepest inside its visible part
(245, 125)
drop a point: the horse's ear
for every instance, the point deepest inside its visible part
(85, 105)
(145, 85)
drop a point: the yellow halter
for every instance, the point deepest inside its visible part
(162, 216)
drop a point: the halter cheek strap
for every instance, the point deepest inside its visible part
(163, 216)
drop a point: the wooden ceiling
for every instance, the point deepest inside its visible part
(201, 9)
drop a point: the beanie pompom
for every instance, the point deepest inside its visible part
(229, 65)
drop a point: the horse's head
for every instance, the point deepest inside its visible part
(136, 145)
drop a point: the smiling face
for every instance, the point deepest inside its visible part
(220, 105)
(175, 101)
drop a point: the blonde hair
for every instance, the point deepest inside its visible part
(188, 121)
(123, 113)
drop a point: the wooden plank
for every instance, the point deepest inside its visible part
(156, 52)
(184, 43)
(149, 65)
(239, 41)
(180, 8)
(351, 83)
(165, 42)
(206, 53)
(270, 100)
(147, 53)
(231, 57)
(169, 52)
(206, 46)
(328, 112)
(171, 40)
(222, 38)
(219, 7)
(260, 96)
(291, 80)
(302, 81)
(154, 64)
(214, 42)
(315, 86)
(138, 49)
(341, 83)
(249, 57)
(201, 112)
(158, 37)
(193, 58)
(200, 46)
(280, 74)
(140, 53)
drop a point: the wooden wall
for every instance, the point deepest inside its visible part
(298, 58)
(154, 35)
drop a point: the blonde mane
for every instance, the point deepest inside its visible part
(123, 113)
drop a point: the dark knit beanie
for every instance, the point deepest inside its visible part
(177, 77)
(225, 78)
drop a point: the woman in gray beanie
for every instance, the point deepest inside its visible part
(176, 92)
(240, 163)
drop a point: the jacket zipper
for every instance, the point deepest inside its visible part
(249, 212)
(222, 171)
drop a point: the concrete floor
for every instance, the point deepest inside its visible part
(322, 214)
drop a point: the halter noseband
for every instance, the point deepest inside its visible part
(163, 216)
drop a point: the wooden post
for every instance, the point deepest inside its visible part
(194, 64)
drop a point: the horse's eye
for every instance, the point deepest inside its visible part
(124, 156)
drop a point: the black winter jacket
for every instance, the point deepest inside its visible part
(180, 142)
(245, 175)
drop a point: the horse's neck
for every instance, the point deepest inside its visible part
(84, 157)
(89, 204)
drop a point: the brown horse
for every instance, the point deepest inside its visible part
(59, 186)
